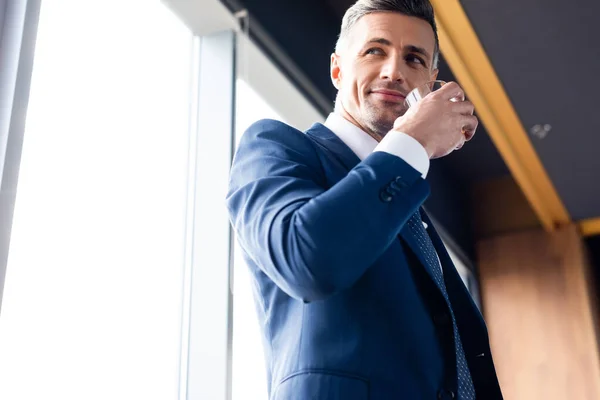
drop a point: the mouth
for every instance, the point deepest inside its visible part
(387, 95)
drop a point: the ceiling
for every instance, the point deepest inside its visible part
(540, 51)
(542, 60)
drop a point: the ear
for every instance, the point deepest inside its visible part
(335, 70)
(434, 74)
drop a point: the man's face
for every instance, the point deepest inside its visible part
(385, 56)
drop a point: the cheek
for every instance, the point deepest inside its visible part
(362, 81)
(418, 77)
(349, 85)
(355, 81)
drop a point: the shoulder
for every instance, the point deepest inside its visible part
(273, 151)
(270, 130)
(268, 136)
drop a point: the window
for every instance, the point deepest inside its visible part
(249, 371)
(92, 299)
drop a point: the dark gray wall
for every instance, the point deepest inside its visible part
(546, 53)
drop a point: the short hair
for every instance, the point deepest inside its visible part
(421, 9)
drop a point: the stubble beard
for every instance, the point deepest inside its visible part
(378, 122)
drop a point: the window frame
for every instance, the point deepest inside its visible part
(18, 31)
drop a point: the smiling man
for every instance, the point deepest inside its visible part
(356, 295)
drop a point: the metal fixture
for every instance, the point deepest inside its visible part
(540, 131)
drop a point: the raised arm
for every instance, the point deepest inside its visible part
(311, 240)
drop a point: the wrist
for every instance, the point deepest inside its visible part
(406, 147)
(419, 138)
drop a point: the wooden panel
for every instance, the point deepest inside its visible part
(538, 305)
(499, 206)
(590, 227)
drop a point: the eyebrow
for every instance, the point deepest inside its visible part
(411, 48)
(420, 50)
(382, 41)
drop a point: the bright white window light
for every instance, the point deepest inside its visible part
(92, 300)
(249, 380)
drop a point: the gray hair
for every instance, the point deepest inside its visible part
(413, 8)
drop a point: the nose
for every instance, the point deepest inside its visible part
(392, 70)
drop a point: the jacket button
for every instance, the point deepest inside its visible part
(400, 182)
(385, 196)
(446, 395)
(441, 319)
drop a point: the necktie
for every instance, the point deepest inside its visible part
(466, 389)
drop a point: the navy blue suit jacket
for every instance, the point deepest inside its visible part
(347, 309)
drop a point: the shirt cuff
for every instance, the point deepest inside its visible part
(407, 148)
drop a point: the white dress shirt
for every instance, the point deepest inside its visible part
(396, 143)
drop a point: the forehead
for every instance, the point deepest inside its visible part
(401, 30)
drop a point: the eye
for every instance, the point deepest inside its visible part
(411, 58)
(375, 51)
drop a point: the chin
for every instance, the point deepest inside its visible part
(382, 121)
(389, 118)
(382, 126)
(390, 113)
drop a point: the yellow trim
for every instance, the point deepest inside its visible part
(472, 68)
(589, 227)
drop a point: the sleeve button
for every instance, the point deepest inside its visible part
(400, 182)
(385, 196)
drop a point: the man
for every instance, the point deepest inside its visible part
(356, 298)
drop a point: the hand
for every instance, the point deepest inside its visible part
(442, 121)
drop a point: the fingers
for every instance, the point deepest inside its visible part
(461, 142)
(463, 107)
(451, 90)
(469, 125)
(469, 122)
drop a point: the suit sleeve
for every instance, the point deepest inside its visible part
(314, 241)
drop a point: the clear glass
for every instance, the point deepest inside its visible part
(418, 93)
(92, 300)
(415, 95)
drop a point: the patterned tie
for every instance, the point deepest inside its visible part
(466, 390)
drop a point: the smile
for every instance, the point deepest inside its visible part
(388, 95)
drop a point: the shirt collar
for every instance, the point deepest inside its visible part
(355, 138)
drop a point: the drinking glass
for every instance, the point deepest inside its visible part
(419, 92)
(415, 95)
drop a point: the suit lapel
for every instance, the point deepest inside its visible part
(331, 142)
(462, 301)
